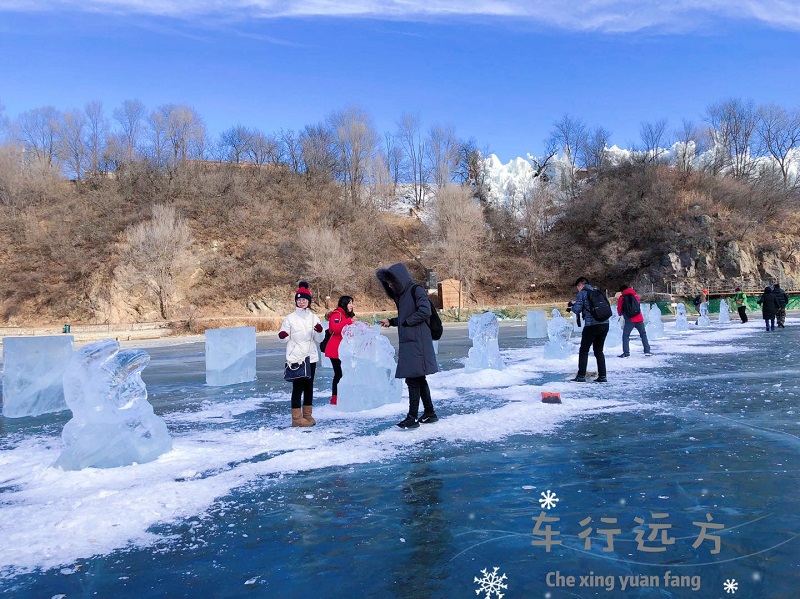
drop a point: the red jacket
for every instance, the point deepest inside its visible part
(337, 321)
(629, 291)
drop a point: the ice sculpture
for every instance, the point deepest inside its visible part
(654, 325)
(230, 356)
(724, 312)
(112, 423)
(368, 369)
(645, 309)
(704, 320)
(485, 351)
(681, 323)
(33, 372)
(614, 337)
(537, 324)
(559, 330)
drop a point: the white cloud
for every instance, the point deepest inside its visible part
(612, 16)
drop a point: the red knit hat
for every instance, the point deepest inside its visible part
(303, 292)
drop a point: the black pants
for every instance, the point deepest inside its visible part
(594, 336)
(304, 388)
(418, 389)
(337, 375)
(742, 313)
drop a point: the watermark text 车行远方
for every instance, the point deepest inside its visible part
(622, 582)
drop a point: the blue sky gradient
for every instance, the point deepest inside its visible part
(503, 74)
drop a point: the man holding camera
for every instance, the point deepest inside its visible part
(594, 333)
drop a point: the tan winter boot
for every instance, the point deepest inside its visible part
(307, 414)
(297, 418)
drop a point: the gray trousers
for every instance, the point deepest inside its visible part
(626, 335)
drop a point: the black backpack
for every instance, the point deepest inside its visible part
(324, 343)
(435, 323)
(630, 305)
(599, 307)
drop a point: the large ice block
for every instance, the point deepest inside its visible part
(559, 330)
(681, 322)
(704, 320)
(724, 312)
(368, 369)
(654, 324)
(112, 423)
(537, 324)
(614, 337)
(230, 356)
(33, 372)
(485, 351)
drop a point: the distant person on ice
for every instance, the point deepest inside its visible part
(628, 306)
(301, 331)
(338, 319)
(769, 308)
(782, 299)
(740, 301)
(416, 358)
(594, 333)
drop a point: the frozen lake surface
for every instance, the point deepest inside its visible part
(244, 506)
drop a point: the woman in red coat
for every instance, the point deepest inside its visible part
(339, 318)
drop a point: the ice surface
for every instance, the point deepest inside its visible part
(559, 330)
(33, 373)
(112, 423)
(654, 325)
(704, 320)
(53, 519)
(614, 337)
(681, 323)
(485, 351)
(368, 369)
(230, 356)
(537, 324)
(724, 312)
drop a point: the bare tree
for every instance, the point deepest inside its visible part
(131, 118)
(291, 149)
(235, 143)
(38, 130)
(654, 138)
(470, 168)
(318, 158)
(460, 244)
(329, 262)
(687, 137)
(264, 149)
(185, 132)
(570, 135)
(71, 143)
(442, 153)
(733, 124)
(779, 131)
(393, 155)
(408, 132)
(154, 254)
(96, 134)
(355, 141)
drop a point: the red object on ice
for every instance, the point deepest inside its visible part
(551, 397)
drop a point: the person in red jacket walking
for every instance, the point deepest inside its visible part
(628, 306)
(338, 319)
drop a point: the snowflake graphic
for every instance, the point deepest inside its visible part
(491, 583)
(548, 500)
(731, 586)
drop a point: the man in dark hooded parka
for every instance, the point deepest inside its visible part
(416, 358)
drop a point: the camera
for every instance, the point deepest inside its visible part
(569, 306)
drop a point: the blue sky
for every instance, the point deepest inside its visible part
(500, 72)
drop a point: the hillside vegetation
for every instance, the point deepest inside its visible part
(211, 240)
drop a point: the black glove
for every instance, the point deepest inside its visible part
(569, 306)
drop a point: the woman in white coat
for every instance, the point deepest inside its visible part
(301, 331)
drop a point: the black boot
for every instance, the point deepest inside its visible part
(408, 422)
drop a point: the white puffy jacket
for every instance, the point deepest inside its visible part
(303, 339)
